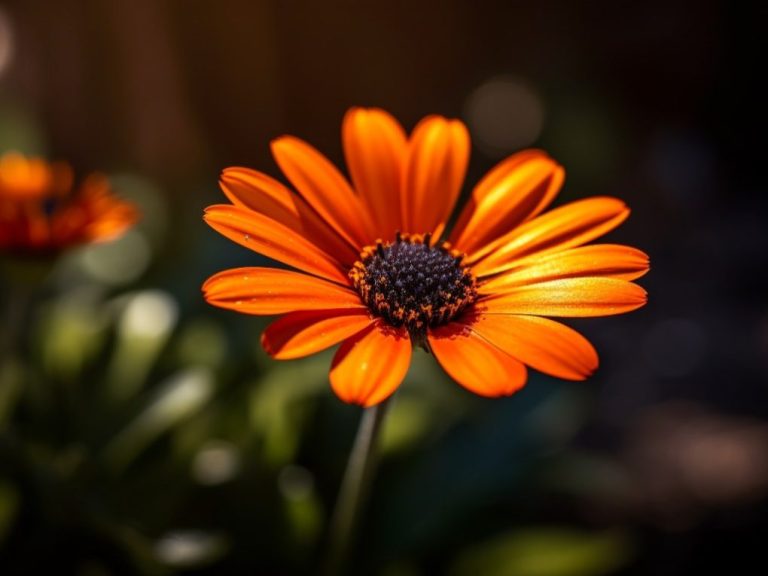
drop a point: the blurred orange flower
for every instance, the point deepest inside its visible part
(41, 213)
(374, 273)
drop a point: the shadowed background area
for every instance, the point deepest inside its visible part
(145, 432)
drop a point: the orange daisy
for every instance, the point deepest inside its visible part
(375, 270)
(42, 214)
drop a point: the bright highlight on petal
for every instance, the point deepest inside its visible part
(604, 260)
(571, 225)
(375, 146)
(434, 171)
(369, 366)
(572, 297)
(514, 191)
(378, 272)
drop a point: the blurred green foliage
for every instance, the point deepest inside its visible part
(546, 552)
(140, 438)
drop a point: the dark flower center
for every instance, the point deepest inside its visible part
(410, 283)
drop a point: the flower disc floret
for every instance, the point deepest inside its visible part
(411, 283)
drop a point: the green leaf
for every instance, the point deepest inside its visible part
(547, 552)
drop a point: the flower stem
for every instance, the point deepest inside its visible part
(354, 488)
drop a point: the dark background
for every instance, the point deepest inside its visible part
(166, 442)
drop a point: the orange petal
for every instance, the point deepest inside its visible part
(474, 362)
(541, 343)
(110, 224)
(570, 297)
(438, 154)
(369, 366)
(266, 291)
(605, 260)
(516, 190)
(274, 240)
(324, 188)
(257, 191)
(303, 333)
(571, 225)
(29, 178)
(375, 147)
(95, 215)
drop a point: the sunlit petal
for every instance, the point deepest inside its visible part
(369, 366)
(438, 154)
(541, 343)
(324, 188)
(571, 297)
(265, 291)
(474, 362)
(274, 240)
(261, 193)
(514, 191)
(605, 260)
(303, 333)
(375, 147)
(566, 227)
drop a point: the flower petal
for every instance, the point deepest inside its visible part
(604, 260)
(369, 366)
(516, 190)
(324, 188)
(257, 191)
(438, 154)
(274, 240)
(303, 333)
(571, 225)
(541, 343)
(570, 297)
(375, 148)
(474, 362)
(266, 291)
(94, 215)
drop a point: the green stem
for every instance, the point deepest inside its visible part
(354, 487)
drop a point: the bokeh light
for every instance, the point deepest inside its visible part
(150, 314)
(295, 482)
(189, 548)
(118, 262)
(7, 41)
(504, 114)
(685, 458)
(217, 462)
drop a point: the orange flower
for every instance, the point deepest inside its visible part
(41, 214)
(373, 273)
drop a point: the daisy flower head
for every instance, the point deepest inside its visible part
(43, 214)
(374, 267)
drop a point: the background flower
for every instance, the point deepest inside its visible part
(42, 214)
